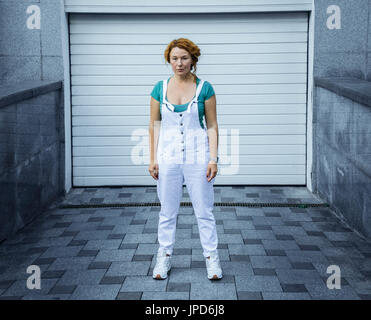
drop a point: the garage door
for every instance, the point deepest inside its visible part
(256, 62)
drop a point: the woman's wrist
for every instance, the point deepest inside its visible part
(213, 160)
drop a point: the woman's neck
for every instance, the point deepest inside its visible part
(189, 77)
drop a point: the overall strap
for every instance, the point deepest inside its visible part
(164, 90)
(199, 88)
(195, 99)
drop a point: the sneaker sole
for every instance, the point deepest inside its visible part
(158, 276)
(215, 277)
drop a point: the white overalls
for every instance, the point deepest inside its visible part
(183, 155)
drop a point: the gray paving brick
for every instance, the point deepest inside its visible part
(238, 224)
(56, 274)
(346, 269)
(143, 283)
(213, 291)
(19, 272)
(65, 251)
(258, 234)
(264, 220)
(263, 227)
(19, 288)
(296, 244)
(270, 262)
(5, 284)
(187, 244)
(96, 292)
(236, 268)
(76, 277)
(147, 248)
(124, 246)
(88, 253)
(128, 268)
(320, 291)
(280, 244)
(140, 238)
(178, 287)
(128, 229)
(112, 280)
(264, 272)
(71, 263)
(115, 255)
(93, 235)
(180, 261)
(308, 247)
(41, 261)
(197, 255)
(275, 252)
(102, 244)
(143, 257)
(83, 226)
(302, 265)
(290, 287)
(99, 265)
(246, 249)
(284, 237)
(245, 211)
(53, 241)
(155, 295)
(289, 230)
(246, 295)
(230, 238)
(257, 283)
(182, 251)
(129, 296)
(36, 296)
(62, 289)
(77, 242)
(183, 234)
(286, 296)
(116, 236)
(239, 257)
(297, 276)
(306, 256)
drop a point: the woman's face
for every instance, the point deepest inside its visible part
(180, 61)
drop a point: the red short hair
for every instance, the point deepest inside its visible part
(187, 45)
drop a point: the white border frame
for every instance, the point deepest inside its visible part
(67, 95)
(310, 84)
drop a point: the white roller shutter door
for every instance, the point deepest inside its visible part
(256, 62)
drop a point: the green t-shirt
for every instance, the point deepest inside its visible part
(206, 93)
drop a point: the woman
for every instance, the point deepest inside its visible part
(173, 151)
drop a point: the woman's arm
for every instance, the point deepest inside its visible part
(154, 131)
(213, 134)
(212, 125)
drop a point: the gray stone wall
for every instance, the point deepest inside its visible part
(37, 54)
(345, 51)
(30, 54)
(31, 159)
(342, 151)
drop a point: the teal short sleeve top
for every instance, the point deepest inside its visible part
(206, 93)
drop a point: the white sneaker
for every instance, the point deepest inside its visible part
(214, 271)
(163, 265)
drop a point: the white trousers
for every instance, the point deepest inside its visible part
(201, 192)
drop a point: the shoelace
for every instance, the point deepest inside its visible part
(213, 263)
(161, 262)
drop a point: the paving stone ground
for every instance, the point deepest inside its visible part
(266, 252)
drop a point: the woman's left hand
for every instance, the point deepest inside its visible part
(212, 169)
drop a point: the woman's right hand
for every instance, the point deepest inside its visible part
(153, 170)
